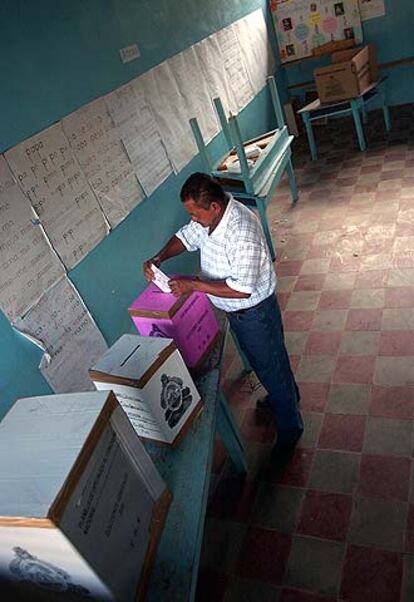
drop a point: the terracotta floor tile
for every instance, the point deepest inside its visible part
(371, 279)
(315, 369)
(298, 320)
(364, 319)
(325, 515)
(295, 595)
(359, 343)
(341, 432)
(399, 297)
(354, 369)
(333, 299)
(368, 298)
(264, 555)
(396, 343)
(323, 343)
(392, 402)
(258, 425)
(349, 263)
(394, 371)
(313, 396)
(303, 300)
(330, 319)
(310, 282)
(288, 268)
(233, 499)
(398, 319)
(371, 574)
(384, 476)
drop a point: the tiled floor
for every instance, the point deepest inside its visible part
(337, 524)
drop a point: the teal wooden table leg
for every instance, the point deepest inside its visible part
(292, 181)
(387, 117)
(261, 208)
(230, 436)
(358, 124)
(311, 138)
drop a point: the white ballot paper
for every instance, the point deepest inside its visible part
(160, 279)
(139, 133)
(97, 146)
(65, 330)
(47, 171)
(28, 264)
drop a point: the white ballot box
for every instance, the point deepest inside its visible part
(81, 503)
(153, 385)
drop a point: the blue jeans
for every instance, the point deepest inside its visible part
(259, 331)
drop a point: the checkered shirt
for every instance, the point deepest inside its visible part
(236, 251)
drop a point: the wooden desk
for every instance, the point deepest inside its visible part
(187, 472)
(354, 106)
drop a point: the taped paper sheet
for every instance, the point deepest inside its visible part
(161, 91)
(257, 54)
(234, 65)
(186, 69)
(48, 172)
(212, 67)
(28, 264)
(99, 150)
(138, 131)
(371, 9)
(67, 333)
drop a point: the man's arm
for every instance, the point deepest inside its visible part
(173, 247)
(218, 288)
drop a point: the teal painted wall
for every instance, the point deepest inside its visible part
(393, 38)
(57, 55)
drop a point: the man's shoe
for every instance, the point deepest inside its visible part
(264, 403)
(285, 444)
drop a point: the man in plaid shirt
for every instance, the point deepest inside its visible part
(238, 276)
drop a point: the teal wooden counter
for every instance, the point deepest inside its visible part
(187, 471)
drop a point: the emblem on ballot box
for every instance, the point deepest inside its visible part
(175, 399)
(29, 569)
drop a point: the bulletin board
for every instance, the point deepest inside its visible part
(302, 25)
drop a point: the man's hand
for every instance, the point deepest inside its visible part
(148, 273)
(182, 286)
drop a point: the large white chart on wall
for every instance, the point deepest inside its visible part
(257, 54)
(186, 69)
(50, 175)
(65, 330)
(162, 93)
(98, 148)
(28, 264)
(302, 25)
(235, 67)
(138, 131)
(212, 67)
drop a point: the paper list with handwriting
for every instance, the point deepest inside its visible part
(50, 175)
(28, 264)
(97, 145)
(68, 335)
(235, 67)
(139, 133)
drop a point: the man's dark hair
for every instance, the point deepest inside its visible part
(203, 190)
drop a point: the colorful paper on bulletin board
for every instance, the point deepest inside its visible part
(302, 25)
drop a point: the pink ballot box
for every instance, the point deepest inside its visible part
(189, 320)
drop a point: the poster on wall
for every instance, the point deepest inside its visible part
(370, 9)
(302, 25)
(61, 325)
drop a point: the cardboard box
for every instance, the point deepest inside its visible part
(189, 320)
(350, 73)
(81, 503)
(153, 385)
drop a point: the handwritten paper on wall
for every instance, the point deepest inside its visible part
(257, 54)
(212, 67)
(98, 148)
(186, 69)
(28, 265)
(49, 174)
(139, 133)
(71, 341)
(161, 91)
(235, 67)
